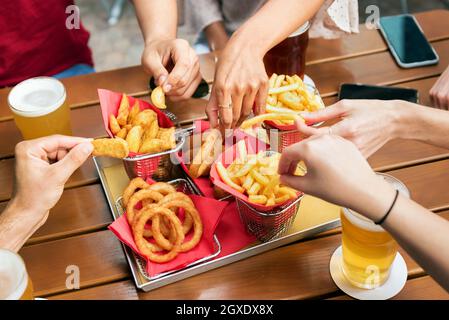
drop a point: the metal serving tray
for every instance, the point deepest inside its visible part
(314, 216)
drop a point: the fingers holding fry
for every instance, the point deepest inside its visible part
(115, 148)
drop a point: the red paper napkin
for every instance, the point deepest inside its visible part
(110, 102)
(231, 232)
(281, 127)
(204, 183)
(210, 211)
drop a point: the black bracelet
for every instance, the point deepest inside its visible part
(389, 210)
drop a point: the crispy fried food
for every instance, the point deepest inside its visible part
(113, 124)
(168, 136)
(163, 203)
(290, 94)
(197, 225)
(152, 130)
(204, 158)
(163, 188)
(270, 116)
(141, 129)
(122, 133)
(258, 178)
(115, 148)
(146, 247)
(144, 118)
(152, 146)
(144, 194)
(134, 185)
(226, 178)
(134, 112)
(158, 98)
(123, 111)
(134, 138)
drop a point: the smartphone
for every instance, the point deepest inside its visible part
(407, 42)
(363, 91)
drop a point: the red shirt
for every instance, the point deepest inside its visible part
(34, 40)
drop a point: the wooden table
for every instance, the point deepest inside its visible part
(76, 231)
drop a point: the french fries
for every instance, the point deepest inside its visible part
(289, 94)
(139, 130)
(257, 177)
(270, 116)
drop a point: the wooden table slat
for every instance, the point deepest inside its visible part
(296, 271)
(99, 257)
(422, 288)
(82, 90)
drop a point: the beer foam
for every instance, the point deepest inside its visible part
(300, 30)
(364, 223)
(13, 280)
(36, 97)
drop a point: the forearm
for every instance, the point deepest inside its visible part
(216, 35)
(424, 124)
(157, 19)
(17, 226)
(274, 22)
(424, 235)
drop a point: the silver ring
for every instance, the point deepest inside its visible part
(229, 106)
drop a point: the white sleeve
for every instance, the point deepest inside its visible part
(335, 17)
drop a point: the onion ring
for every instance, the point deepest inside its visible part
(142, 244)
(134, 184)
(188, 222)
(165, 230)
(139, 196)
(163, 188)
(197, 225)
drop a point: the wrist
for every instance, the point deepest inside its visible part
(17, 225)
(375, 198)
(240, 43)
(20, 208)
(154, 39)
(403, 119)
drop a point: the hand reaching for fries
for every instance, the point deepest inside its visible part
(183, 79)
(256, 175)
(336, 172)
(240, 86)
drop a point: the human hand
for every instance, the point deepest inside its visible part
(336, 172)
(240, 84)
(183, 79)
(439, 94)
(42, 168)
(369, 124)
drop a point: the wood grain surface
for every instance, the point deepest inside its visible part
(76, 234)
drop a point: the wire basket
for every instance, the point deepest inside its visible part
(289, 137)
(271, 224)
(282, 138)
(186, 187)
(158, 166)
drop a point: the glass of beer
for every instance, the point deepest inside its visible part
(289, 56)
(39, 107)
(368, 250)
(15, 284)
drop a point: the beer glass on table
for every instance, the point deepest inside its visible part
(289, 56)
(39, 107)
(15, 284)
(368, 250)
